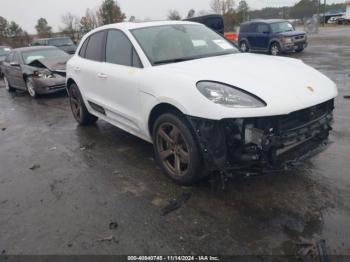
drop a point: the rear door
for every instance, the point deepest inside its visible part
(86, 65)
(262, 36)
(119, 81)
(251, 35)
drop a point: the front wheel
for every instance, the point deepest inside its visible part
(80, 113)
(31, 88)
(275, 49)
(176, 149)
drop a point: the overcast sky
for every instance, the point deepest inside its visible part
(27, 12)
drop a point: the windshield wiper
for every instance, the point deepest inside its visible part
(175, 60)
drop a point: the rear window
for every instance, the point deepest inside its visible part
(95, 46)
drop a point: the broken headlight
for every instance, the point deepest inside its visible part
(228, 96)
(43, 74)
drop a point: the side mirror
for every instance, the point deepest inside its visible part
(14, 64)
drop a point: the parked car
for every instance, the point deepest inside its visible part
(64, 43)
(203, 104)
(275, 36)
(4, 50)
(39, 70)
(214, 22)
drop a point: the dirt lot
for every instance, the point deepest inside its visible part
(86, 178)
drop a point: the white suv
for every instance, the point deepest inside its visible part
(205, 106)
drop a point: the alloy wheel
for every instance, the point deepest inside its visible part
(173, 149)
(275, 50)
(30, 88)
(75, 103)
(244, 47)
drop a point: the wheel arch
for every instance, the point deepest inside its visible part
(69, 82)
(158, 110)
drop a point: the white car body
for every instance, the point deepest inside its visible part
(129, 94)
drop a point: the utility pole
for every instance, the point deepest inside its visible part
(324, 13)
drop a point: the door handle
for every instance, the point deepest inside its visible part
(77, 69)
(101, 75)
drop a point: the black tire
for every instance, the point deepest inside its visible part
(8, 87)
(275, 49)
(80, 113)
(299, 50)
(183, 149)
(244, 46)
(30, 87)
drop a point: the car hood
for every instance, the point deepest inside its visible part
(285, 84)
(292, 33)
(53, 64)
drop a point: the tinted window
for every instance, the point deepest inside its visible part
(216, 24)
(263, 28)
(120, 51)
(136, 62)
(252, 28)
(95, 46)
(83, 48)
(243, 28)
(9, 58)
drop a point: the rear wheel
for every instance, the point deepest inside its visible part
(275, 49)
(176, 149)
(80, 113)
(243, 45)
(8, 87)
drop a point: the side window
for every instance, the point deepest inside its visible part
(120, 51)
(16, 58)
(263, 28)
(9, 57)
(253, 28)
(136, 62)
(83, 48)
(95, 46)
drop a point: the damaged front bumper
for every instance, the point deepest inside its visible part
(263, 144)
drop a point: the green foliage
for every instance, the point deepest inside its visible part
(110, 12)
(242, 11)
(174, 15)
(43, 29)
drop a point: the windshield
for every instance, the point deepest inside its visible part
(61, 41)
(282, 27)
(177, 43)
(4, 51)
(31, 56)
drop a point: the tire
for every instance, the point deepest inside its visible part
(275, 49)
(244, 46)
(8, 87)
(30, 88)
(77, 105)
(299, 50)
(176, 149)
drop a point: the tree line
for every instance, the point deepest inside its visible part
(110, 12)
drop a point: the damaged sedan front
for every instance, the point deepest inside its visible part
(38, 70)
